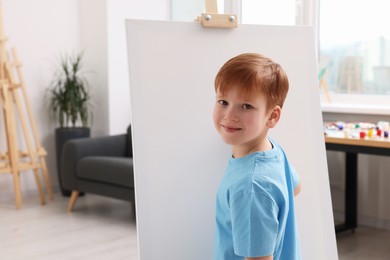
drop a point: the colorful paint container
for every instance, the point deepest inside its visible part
(370, 133)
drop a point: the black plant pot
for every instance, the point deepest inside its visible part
(62, 136)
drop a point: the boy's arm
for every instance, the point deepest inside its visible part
(270, 257)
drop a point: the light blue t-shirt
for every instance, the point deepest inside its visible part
(255, 208)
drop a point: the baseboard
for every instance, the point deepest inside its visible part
(364, 221)
(374, 222)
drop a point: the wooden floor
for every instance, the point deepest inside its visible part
(104, 228)
(99, 228)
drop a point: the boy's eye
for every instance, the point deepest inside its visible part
(223, 102)
(247, 106)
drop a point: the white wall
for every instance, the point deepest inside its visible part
(103, 39)
(118, 77)
(40, 30)
(93, 41)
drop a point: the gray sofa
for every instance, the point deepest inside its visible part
(100, 165)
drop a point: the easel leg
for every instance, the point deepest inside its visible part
(39, 186)
(11, 142)
(46, 177)
(323, 84)
(17, 189)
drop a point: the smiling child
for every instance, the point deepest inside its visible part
(255, 216)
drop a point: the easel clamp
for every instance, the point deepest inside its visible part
(218, 20)
(211, 18)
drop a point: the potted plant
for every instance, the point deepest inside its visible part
(70, 105)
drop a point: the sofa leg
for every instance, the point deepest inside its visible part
(72, 201)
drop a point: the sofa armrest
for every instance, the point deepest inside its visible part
(76, 149)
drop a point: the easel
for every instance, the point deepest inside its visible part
(321, 78)
(12, 95)
(212, 19)
(350, 74)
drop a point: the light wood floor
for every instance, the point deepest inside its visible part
(99, 228)
(104, 228)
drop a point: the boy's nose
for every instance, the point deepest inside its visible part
(231, 114)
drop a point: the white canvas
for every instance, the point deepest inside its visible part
(179, 158)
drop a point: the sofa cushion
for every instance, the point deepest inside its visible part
(113, 170)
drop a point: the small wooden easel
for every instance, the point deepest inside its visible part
(12, 95)
(212, 19)
(321, 78)
(350, 74)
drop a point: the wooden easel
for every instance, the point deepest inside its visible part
(321, 78)
(350, 74)
(15, 104)
(211, 18)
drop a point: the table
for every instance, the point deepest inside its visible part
(352, 147)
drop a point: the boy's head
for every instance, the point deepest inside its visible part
(254, 74)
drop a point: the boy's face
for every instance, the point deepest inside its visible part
(242, 122)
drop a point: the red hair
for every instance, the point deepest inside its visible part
(254, 74)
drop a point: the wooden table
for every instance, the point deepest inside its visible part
(352, 147)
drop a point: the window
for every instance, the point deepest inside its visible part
(268, 12)
(189, 10)
(354, 46)
(354, 51)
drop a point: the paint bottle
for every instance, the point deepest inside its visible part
(378, 132)
(370, 133)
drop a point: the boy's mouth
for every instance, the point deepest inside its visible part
(230, 129)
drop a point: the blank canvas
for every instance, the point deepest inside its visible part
(179, 158)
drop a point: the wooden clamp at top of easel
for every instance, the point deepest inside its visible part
(212, 19)
(14, 104)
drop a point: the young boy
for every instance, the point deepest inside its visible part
(255, 216)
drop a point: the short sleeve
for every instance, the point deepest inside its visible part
(254, 224)
(294, 176)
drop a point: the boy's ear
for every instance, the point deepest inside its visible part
(274, 116)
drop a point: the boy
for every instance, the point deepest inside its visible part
(255, 216)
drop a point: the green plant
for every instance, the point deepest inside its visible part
(69, 95)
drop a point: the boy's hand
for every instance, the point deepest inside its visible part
(297, 189)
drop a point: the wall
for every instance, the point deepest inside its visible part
(118, 72)
(104, 41)
(373, 179)
(94, 41)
